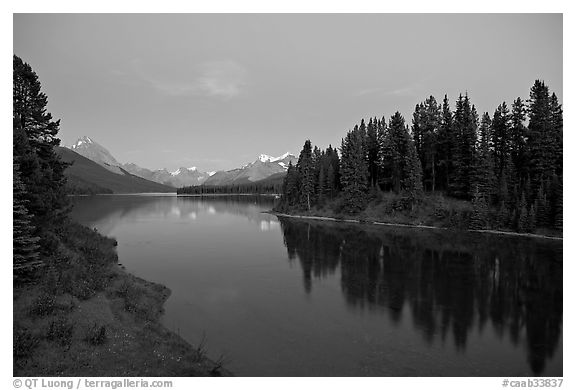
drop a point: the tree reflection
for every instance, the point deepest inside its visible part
(451, 283)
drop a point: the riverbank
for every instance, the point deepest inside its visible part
(404, 225)
(64, 326)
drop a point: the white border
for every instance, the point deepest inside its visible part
(300, 6)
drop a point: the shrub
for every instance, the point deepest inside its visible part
(24, 342)
(61, 331)
(96, 334)
(43, 305)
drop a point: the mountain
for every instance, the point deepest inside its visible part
(188, 177)
(92, 150)
(265, 166)
(181, 177)
(88, 177)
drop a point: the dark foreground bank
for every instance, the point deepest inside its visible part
(86, 316)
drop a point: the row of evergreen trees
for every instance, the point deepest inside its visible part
(40, 204)
(508, 164)
(269, 187)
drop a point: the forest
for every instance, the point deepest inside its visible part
(449, 167)
(269, 186)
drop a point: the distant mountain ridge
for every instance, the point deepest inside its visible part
(88, 177)
(263, 167)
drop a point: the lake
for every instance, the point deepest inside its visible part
(287, 297)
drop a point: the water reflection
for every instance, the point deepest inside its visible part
(106, 212)
(449, 283)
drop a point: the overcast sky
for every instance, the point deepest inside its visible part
(215, 91)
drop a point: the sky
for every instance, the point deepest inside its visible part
(217, 90)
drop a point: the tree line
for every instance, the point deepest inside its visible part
(269, 187)
(248, 188)
(508, 164)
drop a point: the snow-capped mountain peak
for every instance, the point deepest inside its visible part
(265, 158)
(211, 173)
(176, 172)
(83, 140)
(283, 156)
(192, 169)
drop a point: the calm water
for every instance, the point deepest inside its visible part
(285, 297)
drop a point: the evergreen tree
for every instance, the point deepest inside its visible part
(412, 180)
(559, 207)
(399, 159)
(353, 172)
(557, 133)
(291, 187)
(372, 151)
(383, 154)
(465, 127)
(25, 243)
(485, 179)
(34, 137)
(392, 156)
(518, 138)
(446, 147)
(330, 181)
(322, 185)
(501, 138)
(425, 131)
(306, 174)
(540, 134)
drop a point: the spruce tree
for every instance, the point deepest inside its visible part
(412, 180)
(518, 138)
(540, 134)
(395, 151)
(465, 127)
(557, 133)
(291, 187)
(446, 145)
(372, 151)
(34, 137)
(25, 243)
(501, 141)
(306, 175)
(485, 180)
(425, 131)
(353, 172)
(383, 154)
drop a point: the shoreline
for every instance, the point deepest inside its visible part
(402, 225)
(135, 342)
(89, 316)
(227, 194)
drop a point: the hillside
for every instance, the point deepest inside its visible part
(87, 177)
